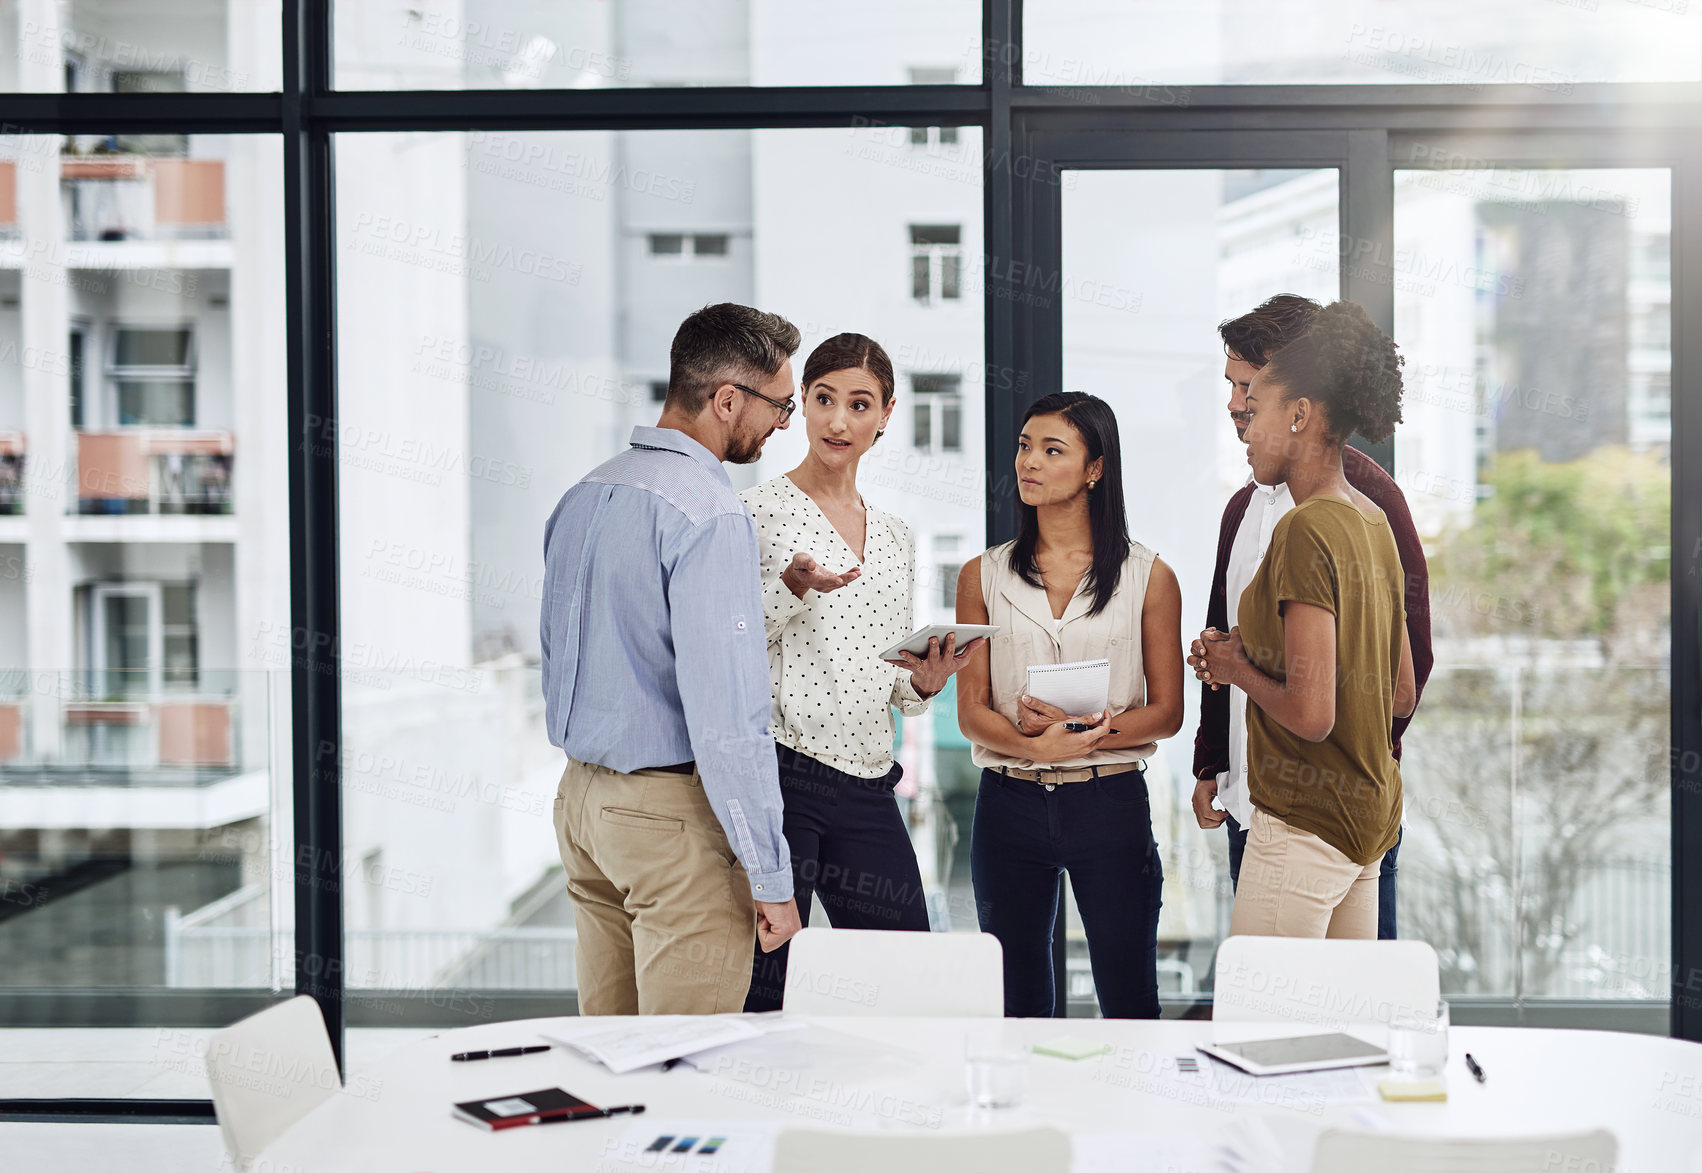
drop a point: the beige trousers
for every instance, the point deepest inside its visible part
(1293, 884)
(663, 909)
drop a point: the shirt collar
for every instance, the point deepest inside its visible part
(672, 440)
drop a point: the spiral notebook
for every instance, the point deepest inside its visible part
(1079, 689)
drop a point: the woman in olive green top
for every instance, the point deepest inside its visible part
(1322, 650)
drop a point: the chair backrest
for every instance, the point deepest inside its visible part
(1321, 983)
(1035, 1150)
(885, 973)
(267, 1072)
(1355, 1152)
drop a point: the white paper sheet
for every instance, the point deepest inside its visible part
(639, 1043)
(1079, 689)
(804, 1051)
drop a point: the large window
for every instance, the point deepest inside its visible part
(525, 343)
(269, 537)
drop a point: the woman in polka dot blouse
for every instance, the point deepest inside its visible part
(838, 577)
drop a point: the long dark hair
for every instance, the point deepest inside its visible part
(1108, 521)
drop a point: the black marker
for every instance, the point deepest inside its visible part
(620, 1110)
(468, 1056)
(1471, 1066)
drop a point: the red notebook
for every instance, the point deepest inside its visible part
(550, 1103)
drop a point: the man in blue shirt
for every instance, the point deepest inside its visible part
(656, 683)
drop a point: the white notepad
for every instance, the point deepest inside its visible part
(1079, 689)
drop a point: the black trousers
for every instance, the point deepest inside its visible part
(850, 847)
(1100, 832)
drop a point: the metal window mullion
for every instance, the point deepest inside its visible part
(1685, 759)
(1367, 210)
(315, 682)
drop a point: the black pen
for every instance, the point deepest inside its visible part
(1471, 1066)
(467, 1056)
(620, 1110)
(669, 1064)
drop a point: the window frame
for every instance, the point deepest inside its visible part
(1031, 134)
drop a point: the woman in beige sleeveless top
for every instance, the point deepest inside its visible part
(1071, 587)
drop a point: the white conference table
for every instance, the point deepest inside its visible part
(395, 1115)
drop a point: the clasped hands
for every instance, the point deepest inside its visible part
(1218, 658)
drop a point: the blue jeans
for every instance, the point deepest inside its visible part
(1100, 832)
(1385, 875)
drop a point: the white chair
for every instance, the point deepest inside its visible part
(882, 973)
(1355, 1152)
(1035, 1150)
(1321, 983)
(267, 1072)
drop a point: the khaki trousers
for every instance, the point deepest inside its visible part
(665, 919)
(1293, 884)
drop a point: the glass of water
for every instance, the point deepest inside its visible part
(995, 1062)
(1418, 1041)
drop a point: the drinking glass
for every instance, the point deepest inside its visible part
(1418, 1041)
(995, 1056)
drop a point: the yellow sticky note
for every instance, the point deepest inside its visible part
(1071, 1047)
(1412, 1089)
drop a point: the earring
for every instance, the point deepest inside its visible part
(1294, 427)
(1090, 484)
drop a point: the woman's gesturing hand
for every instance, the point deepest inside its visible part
(1217, 658)
(928, 674)
(805, 575)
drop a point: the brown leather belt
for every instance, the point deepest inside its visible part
(1051, 778)
(678, 768)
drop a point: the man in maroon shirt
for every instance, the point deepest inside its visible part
(1220, 749)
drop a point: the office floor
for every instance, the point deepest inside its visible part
(147, 1063)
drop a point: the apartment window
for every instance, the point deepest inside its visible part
(180, 650)
(936, 262)
(74, 347)
(937, 413)
(923, 136)
(153, 376)
(687, 246)
(658, 390)
(948, 583)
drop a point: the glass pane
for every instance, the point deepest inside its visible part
(1533, 307)
(141, 46)
(1153, 261)
(135, 347)
(921, 281)
(166, 403)
(921, 429)
(951, 426)
(531, 324)
(949, 265)
(1160, 47)
(144, 660)
(609, 44)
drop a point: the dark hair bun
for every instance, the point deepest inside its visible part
(1359, 371)
(1349, 365)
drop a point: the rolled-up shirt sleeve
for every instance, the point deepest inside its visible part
(716, 613)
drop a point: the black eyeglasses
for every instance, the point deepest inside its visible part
(786, 406)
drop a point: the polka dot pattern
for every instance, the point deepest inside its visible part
(833, 694)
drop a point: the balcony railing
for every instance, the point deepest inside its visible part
(119, 727)
(154, 470)
(11, 473)
(139, 197)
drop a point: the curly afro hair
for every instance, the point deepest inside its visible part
(1350, 366)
